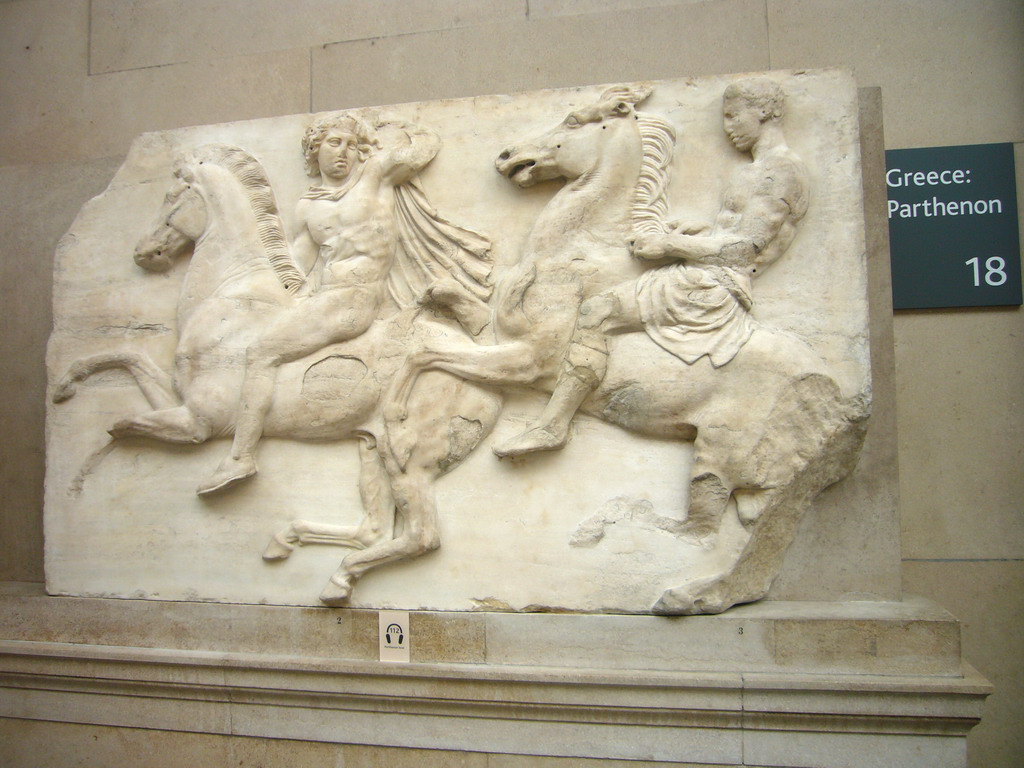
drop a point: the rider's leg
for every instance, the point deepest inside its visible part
(583, 369)
(254, 402)
(321, 319)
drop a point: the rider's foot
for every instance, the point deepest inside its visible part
(337, 591)
(230, 472)
(543, 438)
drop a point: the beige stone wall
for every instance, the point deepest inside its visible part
(79, 79)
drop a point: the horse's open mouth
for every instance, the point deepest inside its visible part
(520, 167)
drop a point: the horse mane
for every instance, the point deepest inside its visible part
(250, 174)
(657, 141)
(650, 203)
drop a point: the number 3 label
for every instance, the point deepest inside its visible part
(995, 273)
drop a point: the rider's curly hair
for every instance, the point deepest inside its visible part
(760, 92)
(366, 137)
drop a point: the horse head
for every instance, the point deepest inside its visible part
(224, 189)
(577, 144)
(182, 220)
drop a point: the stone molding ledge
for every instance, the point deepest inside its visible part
(523, 710)
(784, 715)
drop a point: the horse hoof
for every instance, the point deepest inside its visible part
(698, 530)
(337, 591)
(705, 596)
(122, 428)
(278, 548)
(676, 602)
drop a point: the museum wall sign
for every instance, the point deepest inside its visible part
(953, 231)
(593, 349)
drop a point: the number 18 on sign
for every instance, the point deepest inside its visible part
(953, 227)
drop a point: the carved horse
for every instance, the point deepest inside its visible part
(240, 273)
(771, 428)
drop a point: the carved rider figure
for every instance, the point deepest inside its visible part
(347, 243)
(699, 303)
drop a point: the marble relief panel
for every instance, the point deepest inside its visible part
(592, 349)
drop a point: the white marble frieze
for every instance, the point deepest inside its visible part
(591, 349)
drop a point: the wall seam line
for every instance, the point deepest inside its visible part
(88, 41)
(963, 560)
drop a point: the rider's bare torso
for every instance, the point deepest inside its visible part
(354, 235)
(346, 243)
(762, 203)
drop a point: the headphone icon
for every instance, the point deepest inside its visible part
(396, 630)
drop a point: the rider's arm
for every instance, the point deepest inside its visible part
(304, 249)
(699, 248)
(766, 211)
(406, 149)
(769, 219)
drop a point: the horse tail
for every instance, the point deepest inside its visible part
(89, 466)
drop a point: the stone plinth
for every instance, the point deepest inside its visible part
(781, 683)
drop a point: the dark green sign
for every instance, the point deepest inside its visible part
(953, 227)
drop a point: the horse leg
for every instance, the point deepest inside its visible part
(441, 445)
(378, 519)
(584, 364)
(156, 384)
(509, 363)
(302, 532)
(513, 362)
(745, 575)
(709, 498)
(171, 425)
(710, 492)
(415, 501)
(446, 292)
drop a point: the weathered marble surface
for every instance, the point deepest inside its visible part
(131, 524)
